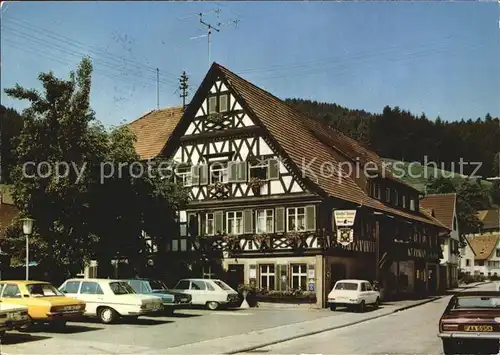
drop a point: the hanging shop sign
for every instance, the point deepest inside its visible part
(345, 236)
(344, 218)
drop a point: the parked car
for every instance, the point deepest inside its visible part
(171, 300)
(109, 299)
(12, 317)
(353, 294)
(45, 303)
(470, 323)
(212, 293)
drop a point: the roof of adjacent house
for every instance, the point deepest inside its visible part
(312, 146)
(483, 245)
(442, 207)
(489, 218)
(154, 129)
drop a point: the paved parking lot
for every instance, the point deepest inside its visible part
(153, 334)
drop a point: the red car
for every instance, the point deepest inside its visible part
(471, 323)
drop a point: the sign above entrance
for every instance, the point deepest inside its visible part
(344, 218)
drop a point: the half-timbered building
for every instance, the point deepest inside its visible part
(265, 181)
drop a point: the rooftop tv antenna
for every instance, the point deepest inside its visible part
(210, 27)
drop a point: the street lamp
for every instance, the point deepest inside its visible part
(27, 230)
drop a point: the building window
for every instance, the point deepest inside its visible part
(388, 194)
(267, 276)
(296, 219)
(403, 200)
(218, 172)
(498, 253)
(223, 103)
(412, 204)
(259, 170)
(467, 262)
(299, 277)
(396, 197)
(209, 224)
(212, 104)
(183, 175)
(376, 191)
(235, 223)
(455, 224)
(265, 221)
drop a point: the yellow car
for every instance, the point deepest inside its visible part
(46, 304)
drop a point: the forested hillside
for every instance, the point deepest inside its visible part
(401, 135)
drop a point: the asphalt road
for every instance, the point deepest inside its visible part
(413, 331)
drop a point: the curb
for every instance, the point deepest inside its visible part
(247, 349)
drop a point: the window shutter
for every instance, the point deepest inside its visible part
(193, 225)
(203, 171)
(311, 218)
(195, 174)
(219, 222)
(242, 172)
(232, 171)
(247, 222)
(273, 171)
(280, 219)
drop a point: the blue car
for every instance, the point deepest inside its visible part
(171, 300)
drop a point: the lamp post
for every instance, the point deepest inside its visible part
(27, 229)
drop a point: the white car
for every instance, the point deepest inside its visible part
(13, 316)
(353, 293)
(212, 293)
(109, 299)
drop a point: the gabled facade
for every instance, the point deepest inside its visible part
(265, 181)
(444, 208)
(486, 250)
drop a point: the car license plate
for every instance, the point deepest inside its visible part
(478, 328)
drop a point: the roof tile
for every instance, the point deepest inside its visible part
(443, 206)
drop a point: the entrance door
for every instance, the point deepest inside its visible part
(236, 275)
(337, 272)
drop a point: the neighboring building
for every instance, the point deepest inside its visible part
(444, 208)
(467, 259)
(486, 249)
(261, 209)
(490, 220)
(8, 212)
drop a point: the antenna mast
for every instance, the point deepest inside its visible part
(157, 88)
(183, 87)
(210, 27)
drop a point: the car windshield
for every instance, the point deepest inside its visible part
(43, 290)
(121, 288)
(350, 286)
(222, 285)
(477, 302)
(157, 285)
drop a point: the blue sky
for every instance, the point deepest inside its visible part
(438, 58)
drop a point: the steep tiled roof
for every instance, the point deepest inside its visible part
(489, 218)
(154, 129)
(443, 206)
(483, 245)
(310, 143)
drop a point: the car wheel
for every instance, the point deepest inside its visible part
(361, 307)
(107, 315)
(448, 347)
(333, 307)
(212, 305)
(377, 303)
(2, 334)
